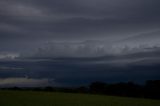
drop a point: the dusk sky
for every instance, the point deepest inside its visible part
(75, 42)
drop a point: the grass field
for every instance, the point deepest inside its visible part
(29, 98)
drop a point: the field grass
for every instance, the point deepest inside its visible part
(29, 98)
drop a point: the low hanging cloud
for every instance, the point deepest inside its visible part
(96, 52)
(6, 55)
(70, 49)
(89, 48)
(10, 68)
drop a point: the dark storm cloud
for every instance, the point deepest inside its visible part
(128, 66)
(75, 19)
(74, 41)
(138, 67)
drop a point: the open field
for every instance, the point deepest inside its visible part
(29, 98)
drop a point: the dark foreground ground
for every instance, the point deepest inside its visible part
(32, 98)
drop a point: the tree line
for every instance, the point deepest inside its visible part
(151, 89)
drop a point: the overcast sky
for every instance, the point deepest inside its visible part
(121, 36)
(29, 24)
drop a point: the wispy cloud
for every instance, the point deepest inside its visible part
(21, 10)
(7, 55)
(10, 68)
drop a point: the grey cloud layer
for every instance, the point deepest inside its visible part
(32, 22)
(92, 52)
(121, 36)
